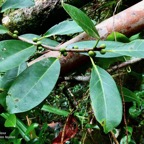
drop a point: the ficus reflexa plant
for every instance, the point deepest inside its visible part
(23, 87)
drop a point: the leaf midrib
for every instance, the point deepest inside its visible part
(101, 87)
(35, 83)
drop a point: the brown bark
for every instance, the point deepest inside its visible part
(127, 22)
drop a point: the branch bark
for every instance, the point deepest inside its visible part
(128, 22)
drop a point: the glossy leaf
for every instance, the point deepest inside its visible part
(13, 53)
(44, 41)
(3, 30)
(10, 75)
(10, 121)
(16, 4)
(54, 110)
(82, 20)
(7, 80)
(33, 85)
(105, 98)
(133, 49)
(64, 28)
(115, 49)
(116, 36)
(91, 44)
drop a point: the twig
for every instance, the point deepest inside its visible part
(114, 138)
(124, 64)
(114, 68)
(59, 46)
(124, 106)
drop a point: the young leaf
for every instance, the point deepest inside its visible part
(64, 28)
(106, 101)
(33, 85)
(3, 30)
(54, 110)
(13, 53)
(82, 20)
(16, 4)
(116, 36)
(10, 121)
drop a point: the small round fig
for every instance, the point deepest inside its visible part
(15, 32)
(103, 51)
(92, 53)
(65, 53)
(62, 50)
(102, 46)
(15, 36)
(38, 43)
(40, 48)
(35, 39)
(75, 47)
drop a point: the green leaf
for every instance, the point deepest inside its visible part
(10, 121)
(7, 80)
(54, 110)
(13, 53)
(115, 49)
(91, 44)
(33, 85)
(82, 20)
(106, 100)
(137, 36)
(129, 96)
(3, 30)
(17, 4)
(133, 49)
(116, 36)
(135, 111)
(31, 128)
(44, 41)
(10, 75)
(64, 28)
(19, 124)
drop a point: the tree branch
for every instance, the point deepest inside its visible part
(114, 68)
(127, 22)
(124, 64)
